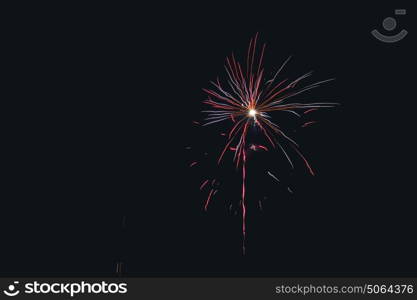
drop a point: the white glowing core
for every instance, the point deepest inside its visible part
(252, 113)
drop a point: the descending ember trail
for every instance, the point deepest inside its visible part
(247, 101)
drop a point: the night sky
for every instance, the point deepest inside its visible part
(102, 109)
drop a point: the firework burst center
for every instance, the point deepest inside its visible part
(252, 112)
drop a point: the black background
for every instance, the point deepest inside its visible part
(101, 108)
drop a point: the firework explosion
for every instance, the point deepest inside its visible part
(247, 101)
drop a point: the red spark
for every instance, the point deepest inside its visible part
(208, 199)
(310, 110)
(308, 123)
(203, 184)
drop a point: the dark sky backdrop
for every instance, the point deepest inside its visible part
(102, 109)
